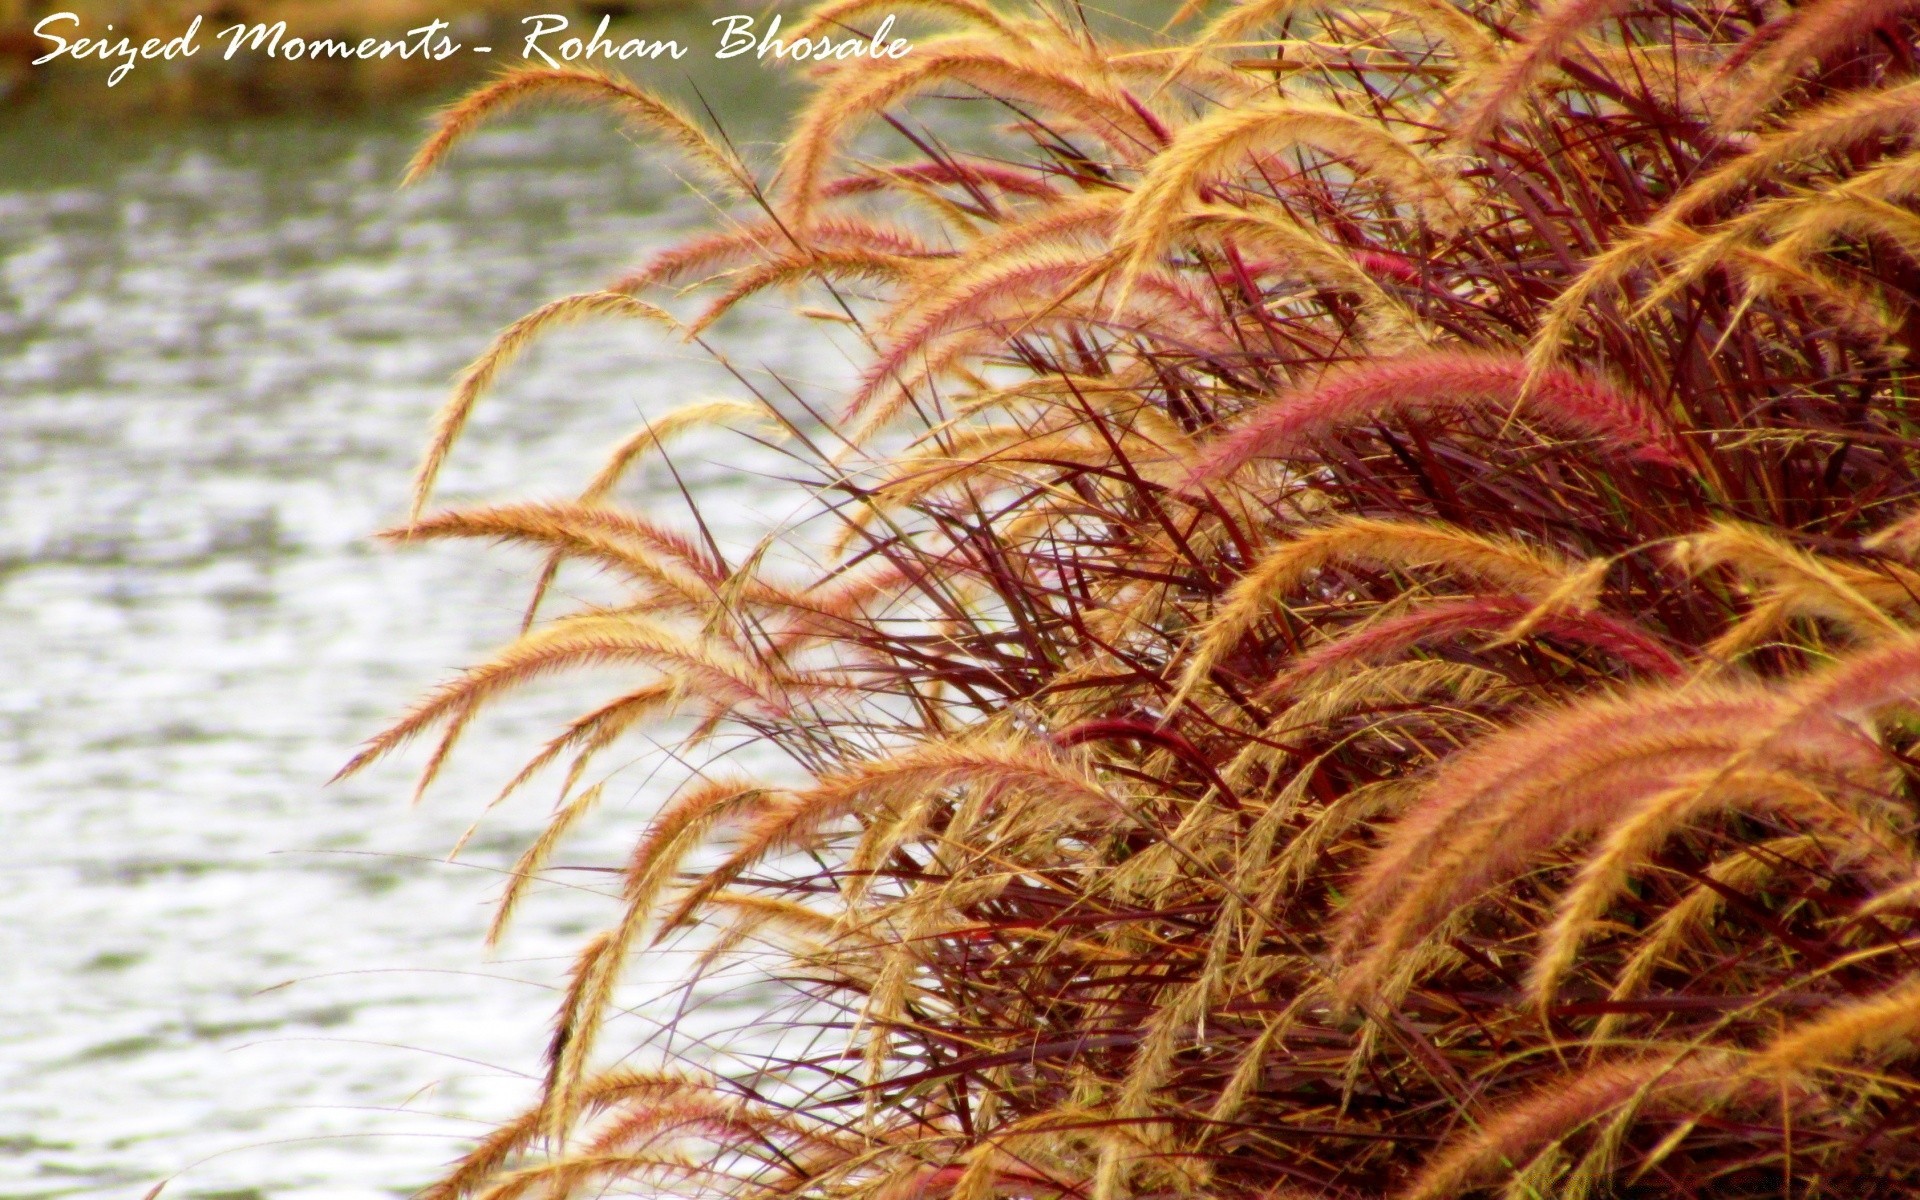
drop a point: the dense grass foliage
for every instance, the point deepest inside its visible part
(1368, 625)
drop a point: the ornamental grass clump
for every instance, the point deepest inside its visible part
(1366, 635)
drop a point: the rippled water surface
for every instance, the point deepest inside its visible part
(219, 347)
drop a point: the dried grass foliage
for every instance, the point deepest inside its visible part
(1365, 631)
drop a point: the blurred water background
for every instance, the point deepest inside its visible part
(219, 348)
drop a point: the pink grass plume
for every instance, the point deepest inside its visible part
(1482, 614)
(1570, 402)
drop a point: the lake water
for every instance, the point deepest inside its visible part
(219, 348)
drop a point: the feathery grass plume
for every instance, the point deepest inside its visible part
(1518, 1133)
(512, 341)
(1295, 867)
(1580, 405)
(1864, 315)
(1353, 691)
(1631, 250)
(1844, 806)
(588, 639)
(534, 858)
(962, 213)
(582, 1013)
(701, 414)
(620, 540)
(1492, 848)
(963, 171)
(1078, 220)
(1540, 755)
(652, 436)
(1692, 916)
(1884, 1024)
(582, 1007)
(1477, 614)
(1700, 256)
(1900, 894)
(1578, 592)
(1022, 768)
(1237, 136)
(1382, 545)
(567, 1175)
(1812, 584)
(1768, 616)
(826, 266)
(1160, 70)
(1545, 40)
(749, 241)
(994, 66)
(582, 86)
(609, 1090)
(680, 827)
(1865, 685)
(1458, 30)
(1305, 253)
(1235, 23)
(995, 459)
(594, 731)
(1813, 227)
(1900, 536)
(728, 1121)
(1829, 128)
(1812, 31)
(1543, 789)
(1799, 227)
(746, 916)
(984, 307)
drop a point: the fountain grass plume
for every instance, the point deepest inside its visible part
(1490, 615)
(509, 345)
(1616, 423)
(1545, 40)
(1805, 36)
(580, 86)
